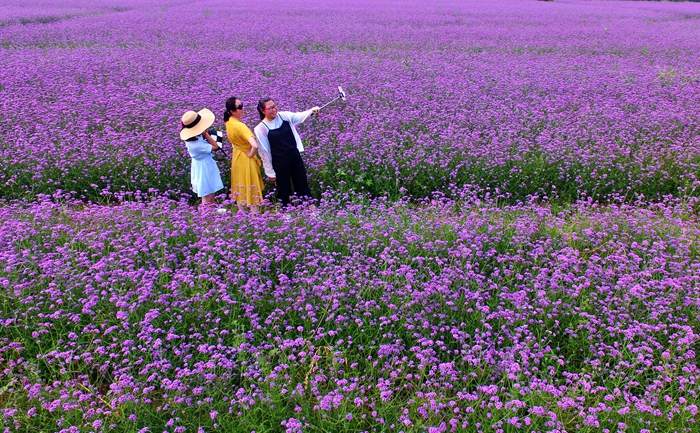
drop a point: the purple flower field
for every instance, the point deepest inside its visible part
(566, 99)
(506, 237)
(380, 317)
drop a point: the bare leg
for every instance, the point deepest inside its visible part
(208, 199)
(207, 203)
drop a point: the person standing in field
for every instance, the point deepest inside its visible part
(204, 175)
(280, 147)
(246, 181)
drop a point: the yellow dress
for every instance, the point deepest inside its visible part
(246, 181)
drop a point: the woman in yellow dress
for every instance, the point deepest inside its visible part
(246, 181)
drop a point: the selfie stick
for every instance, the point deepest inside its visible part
(342, 96)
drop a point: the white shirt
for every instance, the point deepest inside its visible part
(261, 134)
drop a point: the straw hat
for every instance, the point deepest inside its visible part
(194, 124)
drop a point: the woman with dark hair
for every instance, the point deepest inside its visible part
(246, 181)
(280, 147)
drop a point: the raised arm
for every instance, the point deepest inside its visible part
(214, 145)
(300, 117)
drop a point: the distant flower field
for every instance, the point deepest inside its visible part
(506, 237)
(564, 99)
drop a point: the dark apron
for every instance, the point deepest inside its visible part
(287, 163)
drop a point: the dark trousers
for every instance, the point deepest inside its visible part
(290, 166)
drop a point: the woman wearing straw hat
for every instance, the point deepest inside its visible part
(205, 175)
(246, 181)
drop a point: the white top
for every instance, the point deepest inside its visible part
(261, 134)
(205, 175)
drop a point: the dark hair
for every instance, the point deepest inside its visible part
(230, 105)
(195, 138)
(261, 105)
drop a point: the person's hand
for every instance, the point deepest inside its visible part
(214, 145)
(315, 110)
(272, 179)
